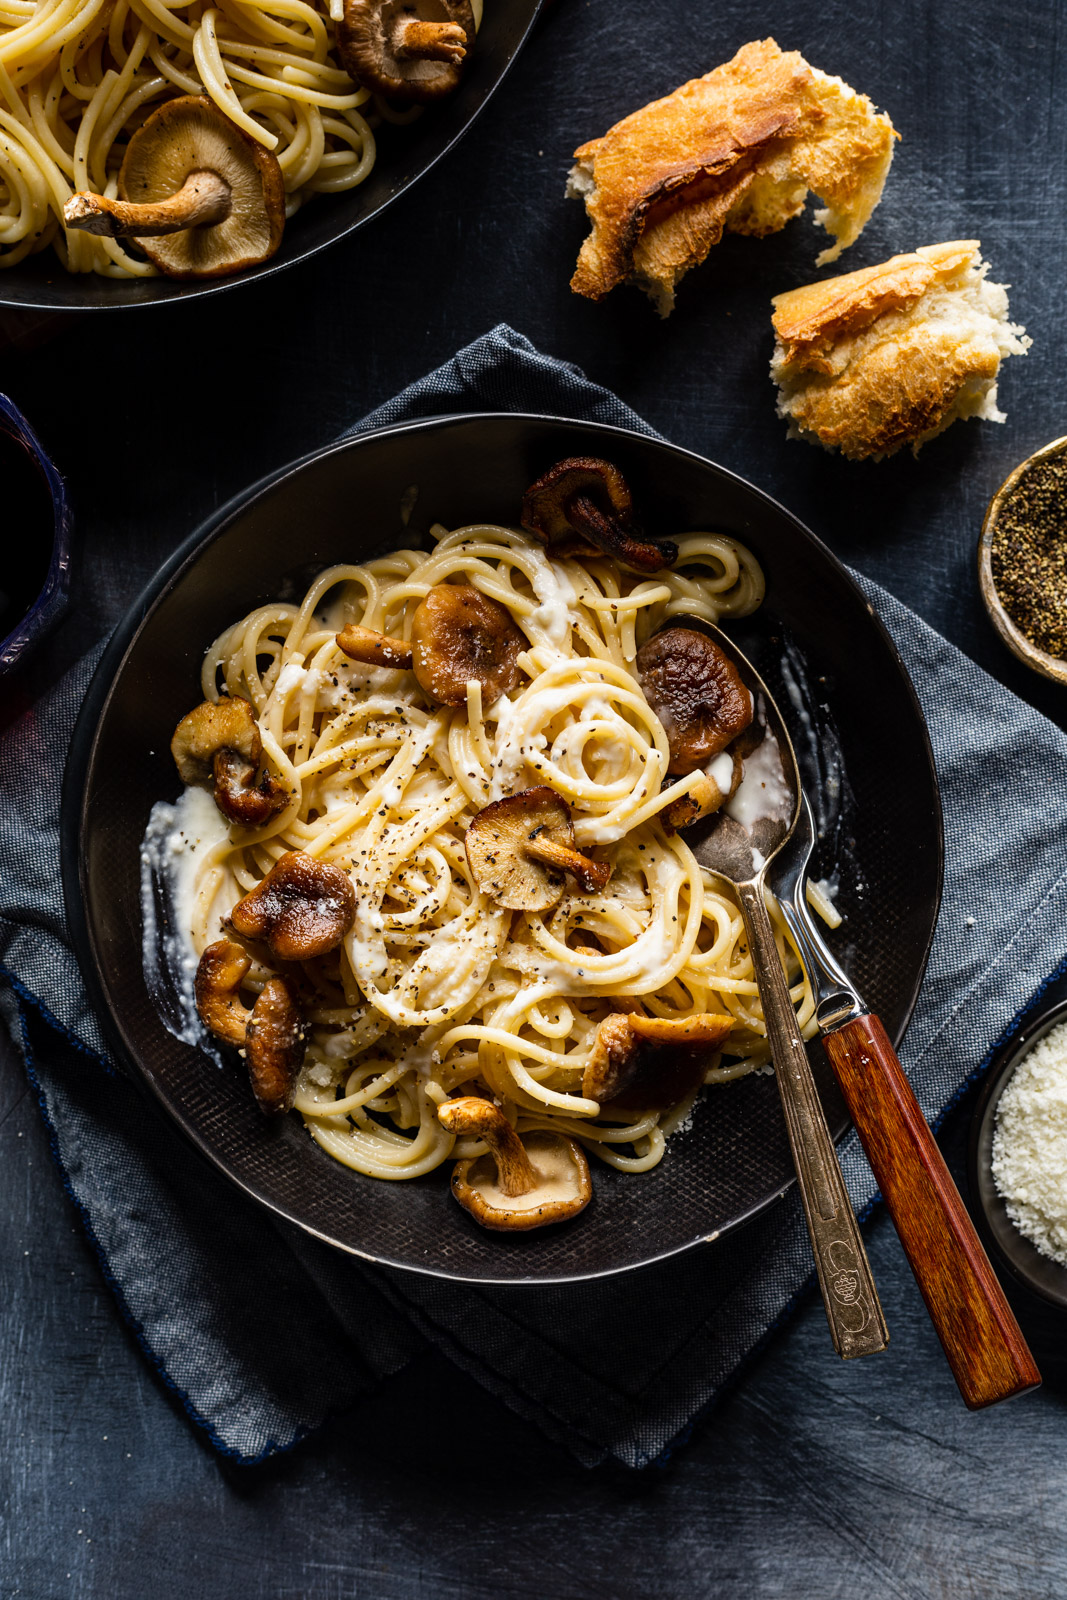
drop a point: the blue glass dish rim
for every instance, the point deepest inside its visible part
(54, 596)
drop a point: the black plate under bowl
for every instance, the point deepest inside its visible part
(344, 504)
(405, 153)
(1040, 1274)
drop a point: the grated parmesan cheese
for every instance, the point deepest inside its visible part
(1030, 1145)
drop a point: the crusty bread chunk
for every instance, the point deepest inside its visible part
(894, 354)
(738, 149)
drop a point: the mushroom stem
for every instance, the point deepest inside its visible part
(588, 518)
(372, 648)
(591, 876)
(516, 1173)
(414, 39)
(203, 199)
(704, 798)
(611, 537)
(589, 498)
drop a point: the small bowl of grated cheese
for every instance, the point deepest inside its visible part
(1018, 1154)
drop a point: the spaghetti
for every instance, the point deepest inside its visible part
(78, 77)
(437, 989)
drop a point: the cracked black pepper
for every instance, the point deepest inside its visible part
(1028, 555)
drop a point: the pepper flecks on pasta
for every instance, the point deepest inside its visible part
(436, 989)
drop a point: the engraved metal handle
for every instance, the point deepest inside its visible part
(853, 1311)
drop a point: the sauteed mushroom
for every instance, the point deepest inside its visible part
(271, 1033)
(372, 648)
(710, 793)
(644, 1063)
(303, 908)
(696, 692)
(274, 1047)
(583, 501)
(520, 847)
(217, 746)
(459, 634)
(523, 1183)
(219, 976)
(407, 49)
(206, 197)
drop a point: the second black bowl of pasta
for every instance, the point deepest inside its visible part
(84, 79)
(353, 757)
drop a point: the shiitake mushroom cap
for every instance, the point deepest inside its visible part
(696, 692)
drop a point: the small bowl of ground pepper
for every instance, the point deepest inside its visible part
(1022, 561)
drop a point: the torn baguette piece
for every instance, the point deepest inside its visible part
(736, 150)
(893, 354)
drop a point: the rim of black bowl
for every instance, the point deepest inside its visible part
(405, 154)
(1025, 1263)
(54, 597)
(75, 800)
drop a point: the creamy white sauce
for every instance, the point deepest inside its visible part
(557, 597)
(721, 771)
(598, 708)
(597, 830)
(796, 699)
(649, 954)
(763, 793)
(514, 743)
(175, 842)
(367, 951)
(292, 676)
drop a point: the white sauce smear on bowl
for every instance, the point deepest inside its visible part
(175, 842)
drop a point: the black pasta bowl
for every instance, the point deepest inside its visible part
(344, 503)
(405, 154)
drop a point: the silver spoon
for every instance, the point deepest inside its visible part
(737, 843)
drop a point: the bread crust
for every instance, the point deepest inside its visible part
(809, 321)
(867, 364)
(661, 186)
(900, 394)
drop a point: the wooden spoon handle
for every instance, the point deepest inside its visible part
(982, 1340)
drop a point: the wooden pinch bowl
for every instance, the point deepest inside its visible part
(1017, 642)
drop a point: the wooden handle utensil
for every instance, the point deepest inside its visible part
(739, 848)
(853, 1310)
(977, 1328)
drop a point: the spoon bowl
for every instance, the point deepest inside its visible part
(736, 843)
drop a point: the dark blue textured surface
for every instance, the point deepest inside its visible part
(813, 1478)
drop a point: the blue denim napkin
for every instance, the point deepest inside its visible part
(262, 1332)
